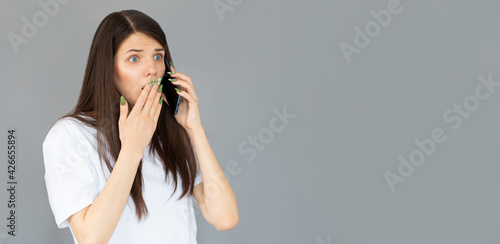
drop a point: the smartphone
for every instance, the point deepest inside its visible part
(173, 98)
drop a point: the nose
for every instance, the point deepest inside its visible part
(151, 68)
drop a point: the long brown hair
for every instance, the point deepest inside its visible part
(99, 100)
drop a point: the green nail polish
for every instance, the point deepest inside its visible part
(178, 89)
(172, 64)
(151, 83)
(122, 100)
(161, 100)
(161, 87)
(170, 73)
(158, 82)
(172, 80)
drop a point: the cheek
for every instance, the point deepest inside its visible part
(127, 78)
(118, 80)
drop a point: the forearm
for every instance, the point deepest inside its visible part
(103, 215)
(219, 197)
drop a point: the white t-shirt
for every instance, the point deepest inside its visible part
(74, 178)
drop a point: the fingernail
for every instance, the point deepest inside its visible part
(122, 100)
(151, 83)
(178, 89)
(159, 81)
(172, 64)
(170, 73)
(161, 100)
(172, 80)
(161, 87)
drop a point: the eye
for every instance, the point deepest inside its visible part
(158, 56)
(133, 59)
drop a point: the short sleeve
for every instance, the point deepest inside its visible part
(70, 177)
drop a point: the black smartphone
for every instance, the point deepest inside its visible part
(173, 98)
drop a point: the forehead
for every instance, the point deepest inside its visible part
(138, 41)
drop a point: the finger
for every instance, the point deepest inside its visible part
(188, 97)
(157, 103)
(181, 76)
(187, 87)
(141, 100)
(158, 110)
(149, 101)
(123, 114)
(172, 67)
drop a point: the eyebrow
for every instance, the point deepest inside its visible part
(140, 50)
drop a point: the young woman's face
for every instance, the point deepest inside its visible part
(138, 61)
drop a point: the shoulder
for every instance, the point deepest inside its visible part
(67, 141)
(61, 127)
(65, 130)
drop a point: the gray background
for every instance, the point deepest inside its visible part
(321, 179)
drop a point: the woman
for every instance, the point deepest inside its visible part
(120, 120)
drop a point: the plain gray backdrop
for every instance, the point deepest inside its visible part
(371, 97)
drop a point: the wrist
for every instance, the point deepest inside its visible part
(199, 130)
(130, 152)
